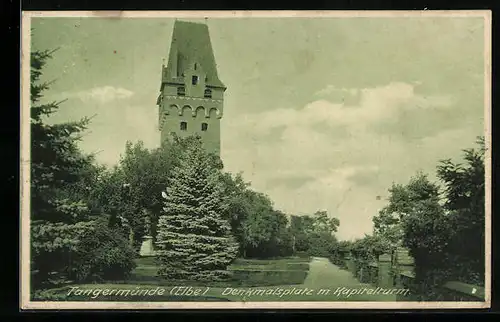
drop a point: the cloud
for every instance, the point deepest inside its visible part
(333, 89)
(102, 95)
(379, 104)
(114, 126)
(105, 94)
(309, 164)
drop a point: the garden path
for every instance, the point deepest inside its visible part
(325, 275)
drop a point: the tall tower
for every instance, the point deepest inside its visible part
(191, 93)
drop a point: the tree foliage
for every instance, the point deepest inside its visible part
(464, 192)
(260, 229)
(194, 239)
(442, 226)
(131, 191)
(62, 181)
(370, 247)
(314, 234)
(57, 166)
(102, 253)
(419, 195)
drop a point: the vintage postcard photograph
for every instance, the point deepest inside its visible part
(279, 159)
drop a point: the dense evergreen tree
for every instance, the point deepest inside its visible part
(194, 239)
(57, 167)
(62, 181)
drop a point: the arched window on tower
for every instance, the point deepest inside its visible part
(204, 126)
(184, 126)
(208, 93)
(181, 91)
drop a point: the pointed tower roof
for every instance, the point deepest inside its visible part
(190, 44)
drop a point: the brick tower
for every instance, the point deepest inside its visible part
(191, 93)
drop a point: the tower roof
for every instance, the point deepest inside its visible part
(190, 44)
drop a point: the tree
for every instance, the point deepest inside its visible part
(280, 243)
(102, 254)
(56, 161)
(340, 250)
(464, 191)
(64, 215)
(415, 219)
(131, 191)
(194, 239)
(261, 230)
(238, 209)
(405, 201)
(369, 248)
(257, 226)
(301, 227)
(264, 230)
(322, 239)
(444, 232)
(325, 224)
(58, 174)
(314, 234)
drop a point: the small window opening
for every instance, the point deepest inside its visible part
(184, 126)
(181, 91)
(208, 93)
(195, 66)
(204, 126)
(194, 80)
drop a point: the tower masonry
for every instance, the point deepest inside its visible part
(191, 93)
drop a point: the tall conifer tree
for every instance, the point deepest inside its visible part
(194, 239)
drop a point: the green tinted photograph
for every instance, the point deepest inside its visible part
(255, 160)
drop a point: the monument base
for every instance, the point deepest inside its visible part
(147, 248)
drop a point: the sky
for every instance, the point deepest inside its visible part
(319, 114)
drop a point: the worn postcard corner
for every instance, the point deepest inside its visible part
(256, 159)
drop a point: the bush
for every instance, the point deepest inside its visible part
(339, 261)
(53, 247)
(103, 253)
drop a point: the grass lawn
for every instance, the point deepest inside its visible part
(278, 263)
(246, 272)
(267, 275)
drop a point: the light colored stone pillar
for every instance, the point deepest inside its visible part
(147, 246)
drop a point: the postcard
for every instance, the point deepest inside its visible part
(255, 159)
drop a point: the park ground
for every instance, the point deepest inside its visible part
(323, 281)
